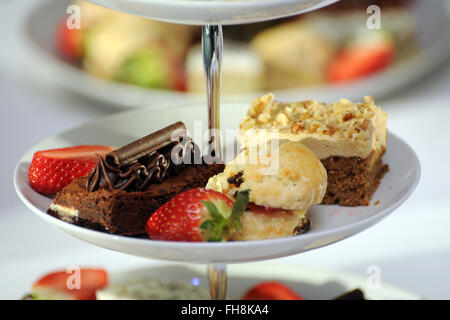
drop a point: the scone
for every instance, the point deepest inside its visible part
(284, 183)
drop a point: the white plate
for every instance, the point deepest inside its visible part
(199, 12)
(330, 223)
(43, 58)
(311, 283)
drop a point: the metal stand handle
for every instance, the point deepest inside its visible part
(212, 44)
(217, 278)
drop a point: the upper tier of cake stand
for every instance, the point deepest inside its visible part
(224, 12)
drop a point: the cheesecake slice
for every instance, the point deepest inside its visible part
(349, 139)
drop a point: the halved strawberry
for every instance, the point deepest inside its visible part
(51, 170)
(197, 215)
(69, 41)
(77, 285)
(271, 290)
(370, 53)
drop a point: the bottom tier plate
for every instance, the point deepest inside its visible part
(311, 283)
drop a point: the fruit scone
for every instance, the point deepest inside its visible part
(283, 182)
(349, 139)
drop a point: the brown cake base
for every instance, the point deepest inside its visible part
(352, 181)
(122, 212)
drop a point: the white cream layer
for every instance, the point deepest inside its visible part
(343, 129)
(65, 213)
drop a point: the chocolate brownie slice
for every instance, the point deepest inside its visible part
(125, 212)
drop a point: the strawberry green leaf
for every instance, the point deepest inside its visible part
(237, 225)
(223, 223)
(240, 205)
(207, 225)
(216, 216)
(215, 238)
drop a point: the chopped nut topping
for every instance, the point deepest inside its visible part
(347, 116)
(282, 119)
(342, 119)
(264, 117)
(296, 127)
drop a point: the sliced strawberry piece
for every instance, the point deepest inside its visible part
(197, 215)
(62, 285)
(271, 290)
(51, 170)
(69, 41)
(368, 53)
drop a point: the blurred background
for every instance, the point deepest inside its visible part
(129, 61)
(53, 78)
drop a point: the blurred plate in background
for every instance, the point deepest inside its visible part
(43, 57)
(311, 283)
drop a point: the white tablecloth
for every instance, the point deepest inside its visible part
(411, 247)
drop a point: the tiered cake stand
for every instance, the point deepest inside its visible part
(212, 14)
(331, 223)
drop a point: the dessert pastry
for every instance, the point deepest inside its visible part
(349, 138)
(152, 289)
(325, 46)
(294, 54)
(126, 48)
(242, 70)
(282, 186)
(334, 44)
(130, 183)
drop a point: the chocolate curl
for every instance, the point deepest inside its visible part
(146, 145)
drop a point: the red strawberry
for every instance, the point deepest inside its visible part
(69, 41)
(51, 170)
(197, 215)
(62, 285)
(364, 57)
(271, 290)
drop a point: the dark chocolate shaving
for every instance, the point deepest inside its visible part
(147, 145)
(136, 176)
(145, 161)
(152, 168)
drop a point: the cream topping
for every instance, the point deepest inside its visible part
(340, 129)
